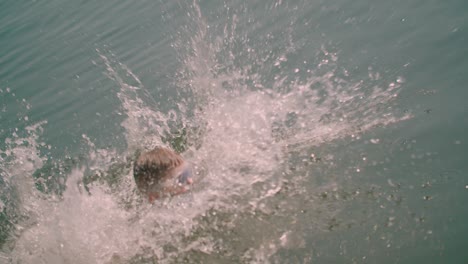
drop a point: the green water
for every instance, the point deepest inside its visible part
(328, 131)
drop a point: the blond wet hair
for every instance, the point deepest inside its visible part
(153, 168)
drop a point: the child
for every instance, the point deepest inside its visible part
(161, 173)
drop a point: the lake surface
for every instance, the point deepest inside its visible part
(321, 131)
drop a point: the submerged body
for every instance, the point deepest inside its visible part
(162, 173)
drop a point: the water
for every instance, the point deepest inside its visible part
(322, 131)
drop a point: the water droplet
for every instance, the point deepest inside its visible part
(427, 198)
(426, 185)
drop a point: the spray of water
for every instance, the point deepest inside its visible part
(249, 125)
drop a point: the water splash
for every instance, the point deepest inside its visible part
(254, 111)
(20, 158)
(256, 120)
(142, 122)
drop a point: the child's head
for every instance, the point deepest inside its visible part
(161, 172)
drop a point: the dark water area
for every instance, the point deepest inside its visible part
(322, 131)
